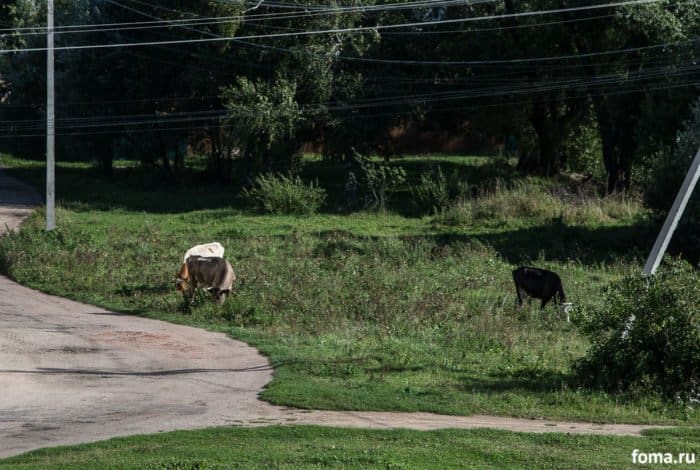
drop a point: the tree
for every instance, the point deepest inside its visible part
(638, 76)
(299, 85)
(262, 124)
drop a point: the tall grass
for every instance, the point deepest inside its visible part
(504, 204)
(436, 191)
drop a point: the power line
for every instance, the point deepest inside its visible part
(274, 16)
(527, 60)
(494, 77)
(170, 23)
(404, 62)
(499, 77)
(336, 30)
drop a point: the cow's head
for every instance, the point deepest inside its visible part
(183, 278)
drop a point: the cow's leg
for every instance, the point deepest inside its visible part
(544, 301)
(520, 294)
(222, 297)
(190, 292)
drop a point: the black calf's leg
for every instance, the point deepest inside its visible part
(519, 294)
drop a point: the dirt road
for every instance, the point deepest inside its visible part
(73, 373)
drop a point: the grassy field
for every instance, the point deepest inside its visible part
(393, 310)
(316, 447)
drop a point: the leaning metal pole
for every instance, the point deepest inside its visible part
(50, 124)
(657, 252)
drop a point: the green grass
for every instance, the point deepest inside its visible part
(367, 311)
(317, 447)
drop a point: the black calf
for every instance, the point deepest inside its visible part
(538, 283)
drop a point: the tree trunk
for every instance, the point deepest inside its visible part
(546, 125)
(106, 166)
(166, 174)
(607, 139)
(626, 147)
(214, 160)
(617, 147)
(103, 149)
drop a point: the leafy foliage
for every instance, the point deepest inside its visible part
(262, 122)
(437, 191)
(377, 180)
(280, 194)
(646, 335)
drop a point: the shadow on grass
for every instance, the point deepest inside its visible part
(525, 380)
(552, 242)
(131, 189)
(129, 291)
(558, 242)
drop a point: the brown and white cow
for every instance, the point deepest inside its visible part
(212, 273)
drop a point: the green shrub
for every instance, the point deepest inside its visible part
(660, 348)
(584, 149)
(377, 180)
(280, 194)
(437, 192)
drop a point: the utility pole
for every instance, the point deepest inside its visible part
(657, 252)
(50, 124)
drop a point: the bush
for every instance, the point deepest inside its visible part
(377, 180)
(280, 194)
(437, 192)
(660, 348)
(584, 150)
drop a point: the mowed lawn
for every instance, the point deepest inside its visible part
(318, 447)
(393, 310)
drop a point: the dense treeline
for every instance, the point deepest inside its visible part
(575, 88)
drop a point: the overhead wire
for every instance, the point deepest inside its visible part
(255, 17)
(355, 29)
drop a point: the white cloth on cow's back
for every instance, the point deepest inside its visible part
(213, 249)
